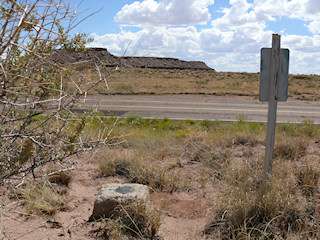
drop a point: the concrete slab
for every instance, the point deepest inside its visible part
(113, 194)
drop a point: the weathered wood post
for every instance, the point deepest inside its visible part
(273, 88)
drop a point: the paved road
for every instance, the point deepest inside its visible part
(225, 108)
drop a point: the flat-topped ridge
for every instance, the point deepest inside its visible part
(103, 57)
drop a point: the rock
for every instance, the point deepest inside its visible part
(113, 194)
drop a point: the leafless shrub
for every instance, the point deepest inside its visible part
(37, 94)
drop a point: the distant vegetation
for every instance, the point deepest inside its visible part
(175, 81)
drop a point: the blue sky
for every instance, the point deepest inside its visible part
(226, 34)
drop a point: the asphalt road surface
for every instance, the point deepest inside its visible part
(200, 107)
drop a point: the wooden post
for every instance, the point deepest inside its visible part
(272, 108)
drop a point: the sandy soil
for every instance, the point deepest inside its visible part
(184, 214)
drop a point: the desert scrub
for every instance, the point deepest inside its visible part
(308, 175)
(162, 81)
(290, 148)
(247, 209)
(130, 221)
(205, 150)
(138, 168)
(42, 197)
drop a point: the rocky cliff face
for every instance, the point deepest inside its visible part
(103, 57)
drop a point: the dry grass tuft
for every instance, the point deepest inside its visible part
(42, 197)
(249, 210)
(202, 149)
(290, 148)
(229, 158)
(138, 168)
(244, 139)
(308, 175)
(131, 220)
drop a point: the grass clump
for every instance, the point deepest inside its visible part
(138, 169)
(244, 139)
(308, 175)
(200, 148)
(42, 197)
(124, 89)
(130, 221)
(290, 148)
(307, 129)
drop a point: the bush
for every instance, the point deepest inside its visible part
(37, 92)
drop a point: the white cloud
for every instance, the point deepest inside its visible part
(235, 16)
(307, 10)
(160, 41)
(314, 26)
(313, 7)
(231, 43)
(305, 44)
(165, 12)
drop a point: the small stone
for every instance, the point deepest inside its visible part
(113, 194)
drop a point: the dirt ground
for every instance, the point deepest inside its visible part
(184, 214)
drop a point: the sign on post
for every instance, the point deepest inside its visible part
(274, 70)
(265, 69)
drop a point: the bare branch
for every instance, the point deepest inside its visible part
(37, 122)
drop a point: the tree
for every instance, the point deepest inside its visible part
(37, 124)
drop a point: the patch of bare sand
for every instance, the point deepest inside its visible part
(185, 215)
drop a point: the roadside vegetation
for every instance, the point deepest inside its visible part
(221, 163)
(227, 159)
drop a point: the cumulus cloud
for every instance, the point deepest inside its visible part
(165, 12)
(307, 10)
(237, 15)
(314, 27)
(159, 41)
(231, 43)
(313, 7)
